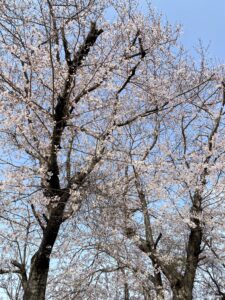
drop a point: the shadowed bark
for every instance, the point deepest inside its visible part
(37, 280)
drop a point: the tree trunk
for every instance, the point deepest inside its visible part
(36, 285)
(37, 281)
(126, 291)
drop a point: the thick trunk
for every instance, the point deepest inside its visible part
(126, 292)
(37, 281)
(36, 286)
(183, 288)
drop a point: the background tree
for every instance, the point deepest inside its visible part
(154, 208)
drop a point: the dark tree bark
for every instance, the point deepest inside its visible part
(126, 292)
(36, 284)
(183, 288)
(37, 281)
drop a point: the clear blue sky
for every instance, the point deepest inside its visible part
(201, 19)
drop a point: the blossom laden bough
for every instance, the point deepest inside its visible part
(112, 155)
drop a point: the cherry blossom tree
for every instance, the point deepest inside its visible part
(111, 155)
(164, 226)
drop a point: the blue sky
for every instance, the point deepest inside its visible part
(201, 19)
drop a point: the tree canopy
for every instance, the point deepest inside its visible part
(112, 155)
